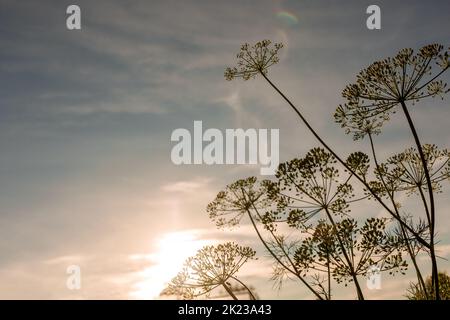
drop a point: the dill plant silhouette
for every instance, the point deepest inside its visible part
(385, 87)
(310, 199)
(380, 90)
(210, 268)
(415, 291)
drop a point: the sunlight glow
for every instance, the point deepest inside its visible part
(173, 249)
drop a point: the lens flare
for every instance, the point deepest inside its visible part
(287, 18)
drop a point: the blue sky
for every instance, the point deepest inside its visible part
(86, 118)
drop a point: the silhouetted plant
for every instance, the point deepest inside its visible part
(386, 86)
(304, 189)
(415, 291)
(253, 60)
(379, 91)
(327, 248)
(312, 185)
(404, 171)
(238, 290)
(211, 267)
(254, 199)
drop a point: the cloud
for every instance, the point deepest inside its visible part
(443, 251)
(68, 260)
(113, 108)
(186, 186)
(85, 122)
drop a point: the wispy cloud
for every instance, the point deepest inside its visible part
(186, 186)
(86, 117)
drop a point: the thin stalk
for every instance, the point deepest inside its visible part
(230, 292)
(329, 277)
(250, 293)
(278, 259)
(347, 258)
(416, 235)
(434, 273)
(404, 234)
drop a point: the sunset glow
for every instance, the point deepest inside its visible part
(173, 249)
(207, 150)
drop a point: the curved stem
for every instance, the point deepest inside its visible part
(434, 273)
(329, 277)
(295, 273)
(347, 258)
(416, 235)
(250, 293)
(422, 196)
(278, 259)
(230, 292)
(404, 233)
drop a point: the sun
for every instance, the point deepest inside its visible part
(172, 250)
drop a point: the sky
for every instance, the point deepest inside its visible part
(86, 118)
